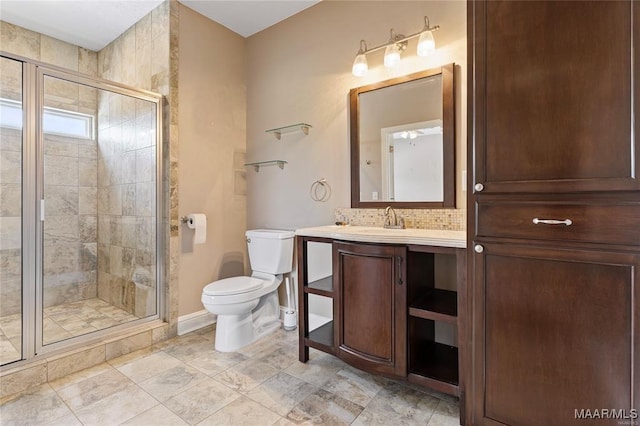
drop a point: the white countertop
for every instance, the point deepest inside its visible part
(371, 234)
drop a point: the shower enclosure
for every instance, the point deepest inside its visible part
(80, 207)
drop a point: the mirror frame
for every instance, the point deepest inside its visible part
(448, 140)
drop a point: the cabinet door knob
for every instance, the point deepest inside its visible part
(478, 187)
(478, 248)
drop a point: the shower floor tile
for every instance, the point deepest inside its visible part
(61, 322)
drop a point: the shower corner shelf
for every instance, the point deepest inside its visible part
(278, 131)
(256, 166)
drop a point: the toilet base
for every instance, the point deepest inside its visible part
(235, 331)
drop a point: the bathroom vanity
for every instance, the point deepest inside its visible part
(387, 302)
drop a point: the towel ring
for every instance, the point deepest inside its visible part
(320, 190)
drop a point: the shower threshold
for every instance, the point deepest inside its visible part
(61, 322)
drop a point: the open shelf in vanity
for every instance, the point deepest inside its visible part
(421, 300)
(321, 338)
(435, 296)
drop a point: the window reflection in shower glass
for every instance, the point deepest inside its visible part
(99, 242)
(10, 218)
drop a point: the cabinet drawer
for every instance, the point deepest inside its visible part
(611, 223)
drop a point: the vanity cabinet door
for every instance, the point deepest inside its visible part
(554, 334)
(371, 283)
(553, 105)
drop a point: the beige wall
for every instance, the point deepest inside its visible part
(212, 138)
(300, 70)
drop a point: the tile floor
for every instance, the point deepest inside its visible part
(184, 381)
(61, 322)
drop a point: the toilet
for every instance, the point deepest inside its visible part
(248, 307)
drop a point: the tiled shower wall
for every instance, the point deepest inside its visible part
(10, 202)
(126, 203)
(145, 57)
(70, 176)
(69, 266)
(10, 213)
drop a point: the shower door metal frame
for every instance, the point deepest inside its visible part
(33, 192)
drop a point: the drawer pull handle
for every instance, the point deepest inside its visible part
(566, 222)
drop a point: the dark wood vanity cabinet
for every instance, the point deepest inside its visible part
(554, 211)
(372, 306)
(389, 302)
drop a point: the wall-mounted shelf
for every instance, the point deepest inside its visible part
(256, 166)
(278, 131)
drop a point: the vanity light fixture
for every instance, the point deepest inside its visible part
(394, 47)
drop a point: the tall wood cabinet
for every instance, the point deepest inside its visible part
(554, 210)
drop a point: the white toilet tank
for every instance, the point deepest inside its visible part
(270, 250)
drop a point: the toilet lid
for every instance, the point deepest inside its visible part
(234, 285)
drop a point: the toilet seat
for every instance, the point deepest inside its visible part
(234, 285)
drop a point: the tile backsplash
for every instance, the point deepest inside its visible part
(443, 219)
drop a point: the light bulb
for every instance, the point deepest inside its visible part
(391, 56)
(426, 43)
(360, 66)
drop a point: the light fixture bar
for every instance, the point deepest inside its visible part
(394, 47)
(400, 40)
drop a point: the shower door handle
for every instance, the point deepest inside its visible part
(42, 210)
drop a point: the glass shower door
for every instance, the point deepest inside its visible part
(11, 166)
(99, 193)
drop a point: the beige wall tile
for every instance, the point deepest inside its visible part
(66, 149)
(10, 233)
(57, 52)
(87, 200)
(88, 62)
(118, 347)
(61, 229)
(88, 228)
(10, 139)
(88, 172)
(68, 363)
(159, 333)
(20, 379)
(61, 170)
(19, 41)
(10, 199)
(61, 200)
(10, 166)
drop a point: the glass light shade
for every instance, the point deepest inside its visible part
(391, 56)
(426, 44)
(360, 66)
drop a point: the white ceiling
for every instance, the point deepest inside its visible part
(93, 24)
(247, 17)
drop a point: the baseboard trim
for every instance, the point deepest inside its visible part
(194, 321)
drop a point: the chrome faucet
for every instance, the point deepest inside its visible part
(395, 223)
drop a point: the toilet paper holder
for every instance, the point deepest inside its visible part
(185, 219)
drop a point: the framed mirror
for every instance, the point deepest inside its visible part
(403, 141)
